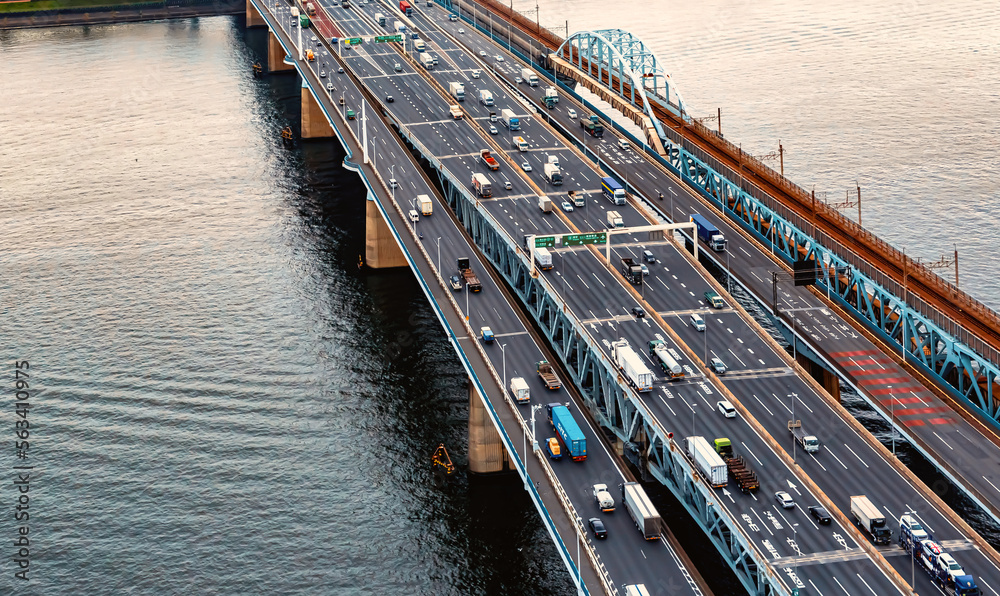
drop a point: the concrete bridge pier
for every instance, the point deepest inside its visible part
(276, 55)
(253, 17)
(486, 451)
(381, 250)
(314, 122)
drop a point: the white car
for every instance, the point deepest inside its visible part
(507, 185)
(499, 58)
(916, 530)
(726, 408)
(414, 216)
(322, 74)
(698, 322)
(393, 183)
(493, 130)
(526, 166)
(518, 80)
(461, 30)
(951, 566)
(314, 38)
(623, 144)
(645, 269)
(571, 113)
(567, 206)
(329, 87)
(482, 54)
(475, 73)
(784, 499)
(718, 366)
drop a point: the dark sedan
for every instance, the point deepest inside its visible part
(597, 527)
(820, 514)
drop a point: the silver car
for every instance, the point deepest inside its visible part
(784, 499)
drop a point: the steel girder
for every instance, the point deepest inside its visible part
(603, 390)
(620, 54)
(968, 374)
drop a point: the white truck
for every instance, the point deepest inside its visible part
(427, 61)
(551, 95)
(603, 498)
(809, 443)
(553, 159)
(482, 185)
(636, 590)
(529, 77)
(457, 90)
(519, 389)
(638, 375)
(545, 204)
(425, 204)
(419, 45)
(553, 174)
(519, 143)
(543, 257)
(870, 519)
(615, 220)
(641, 510)
(708, 462)
(456, 112)
(399, 27)
(485, 97)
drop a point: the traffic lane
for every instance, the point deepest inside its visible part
(753, 510)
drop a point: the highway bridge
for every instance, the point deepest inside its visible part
(583, 305)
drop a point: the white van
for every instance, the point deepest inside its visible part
(414, 216)
(623, 143)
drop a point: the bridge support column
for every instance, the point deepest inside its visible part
(486, 451)
(827, 379)
(276, 55)
(253, 17)
(314, 122)
(381, 250)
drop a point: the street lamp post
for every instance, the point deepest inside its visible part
(466, 300)
(579, 539)
(729, 275)
(693, 406)
(503, 357)
(392, 176)
(673, 195)
(439, 258)
(793, 396)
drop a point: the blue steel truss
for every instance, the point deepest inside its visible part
(602, 387)
(969, 375)
(623, 57)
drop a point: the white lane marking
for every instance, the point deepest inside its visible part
(841, 586)
(943, 441)
(813, 455)
(668, 406)
(599, 280)
(752, 454)
(856, 455)
(834, 456)
(815, 588)
(762, 405)
(736, 357)
(874, 593)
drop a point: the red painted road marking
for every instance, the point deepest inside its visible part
(885, 381)
(855, 353)
(914, 422)
(867, 362)
(941, 421)
(874, 371)
(921, 411)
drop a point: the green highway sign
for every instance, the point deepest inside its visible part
(354, 41)
(388, 38)
(591, 238)
(545, 241)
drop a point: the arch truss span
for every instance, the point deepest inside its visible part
(624, 64)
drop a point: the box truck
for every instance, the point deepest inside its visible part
(519, 389)
(641, 510)
(529, 77)
(638, 375)
(708, 463)
(708, 233)
(613, 191)
(569, 434)
(425, 204)
(543, 257)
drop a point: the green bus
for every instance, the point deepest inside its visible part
(303, 21)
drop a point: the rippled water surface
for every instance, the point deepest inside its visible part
(224, 405)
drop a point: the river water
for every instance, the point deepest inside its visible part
(223, 404)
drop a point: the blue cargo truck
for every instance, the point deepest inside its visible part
(709, 234)
(567, 430)
(613, 191)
